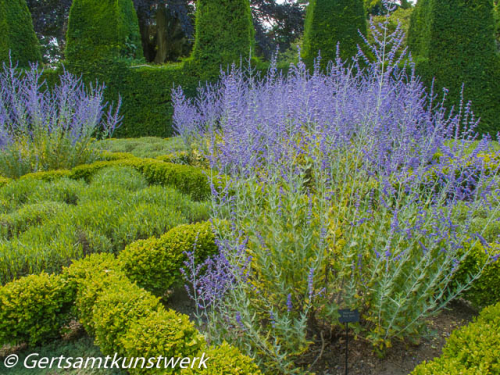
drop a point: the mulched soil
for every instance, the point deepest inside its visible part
(401, 359)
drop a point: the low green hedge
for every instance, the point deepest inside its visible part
(485, 290)
(131, 322)
(106, 155)
(473, 349)
(162, 332)
(33, 309)
(4, 181)
(228, 360)
(116, 309)
(47, 176)
(155, 263)
(186, 179)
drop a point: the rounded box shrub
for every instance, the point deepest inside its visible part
(155, 263)
(88, 278)
(162, 332)
(226, 360)
(116, 308)
(473, 349)
(485, 290)
(33, 309)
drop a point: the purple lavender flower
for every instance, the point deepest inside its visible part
(289, 305)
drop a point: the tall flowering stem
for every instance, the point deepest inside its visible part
(344, 190)
(44, 129)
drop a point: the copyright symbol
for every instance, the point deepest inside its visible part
(10, 361)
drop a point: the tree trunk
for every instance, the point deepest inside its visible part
(162, 35)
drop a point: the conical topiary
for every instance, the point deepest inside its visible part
(224, 34)
(453, 42)
(329, 22)
(17, 35)
(102, 30)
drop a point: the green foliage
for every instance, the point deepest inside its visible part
(106, 155)
(329, 22)
(47, 175)
(400, 16)
(181, 157)
(125, 318)
(145, 92)
(161, 332)
(484, 291)
(115, 310)
(17, 34)
(46, 224)
(122, 177)
(34, 309)
(473, 349)
(102, 30)
(4, 181)
(454, 43)
(144, 147)
(227, 360)
(224, 35)
(13, 224)
(155, 263)
(131, 322)
(186, 179)
(89, 278)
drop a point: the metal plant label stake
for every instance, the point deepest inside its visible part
(348, 316)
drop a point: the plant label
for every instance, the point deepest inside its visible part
(349, 316)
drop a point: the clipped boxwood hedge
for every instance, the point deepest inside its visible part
(33, 309)
(226, 360)
(155, 263)
(17, 35)
(130, 321)
(4, 181)
(184, 178)
(473, 349)
(329, 22)
(485, 290)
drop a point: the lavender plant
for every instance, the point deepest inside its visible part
(43, 129)
(344, 191)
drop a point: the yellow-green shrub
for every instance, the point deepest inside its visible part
(4, 181)
(155, 263)
(181, 157)
(88, 278)
(116, 309)
(33, 309)
(126, 319)
(485, 290)
(164, 333)
(473, 349)
(226, 360)
(106, 155)
(47, 175)
(186, 179)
